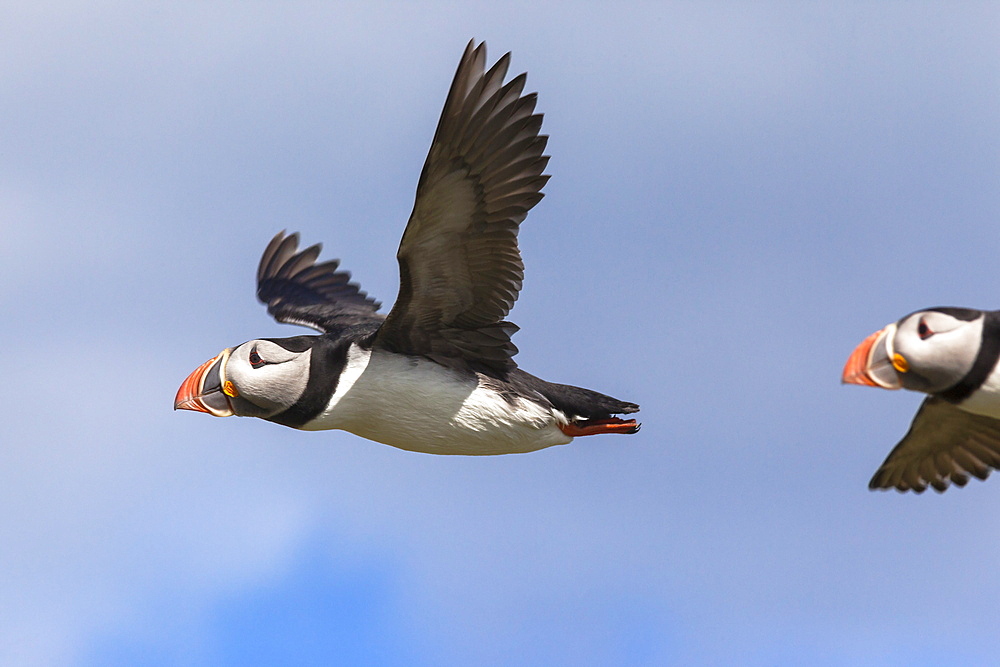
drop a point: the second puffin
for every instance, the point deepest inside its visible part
(437, 373)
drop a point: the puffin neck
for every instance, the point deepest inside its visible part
(326, 363)
(986, 361)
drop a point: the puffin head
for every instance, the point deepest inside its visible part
(260, 378)
(929, 351)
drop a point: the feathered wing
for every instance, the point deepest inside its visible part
(460, 267)
(944, 445)
(297, 290)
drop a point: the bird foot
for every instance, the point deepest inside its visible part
(599, 426)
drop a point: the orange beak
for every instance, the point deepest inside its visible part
(856, 369)
(869, 364)
(202, 390)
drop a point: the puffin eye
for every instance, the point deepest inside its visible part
(255, 360)
(924, 331)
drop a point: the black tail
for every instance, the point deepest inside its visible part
(573, 400)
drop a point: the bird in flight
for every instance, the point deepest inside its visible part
(436, 374)
(950, 354)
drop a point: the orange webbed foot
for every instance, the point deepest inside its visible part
(599, 426)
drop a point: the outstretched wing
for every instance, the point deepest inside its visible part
(944, 445)
(459, 264)
(299, 291)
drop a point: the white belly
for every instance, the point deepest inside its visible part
(985, 400)
(418, 405)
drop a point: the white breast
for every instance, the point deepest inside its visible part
(416, 404)
(986, 399)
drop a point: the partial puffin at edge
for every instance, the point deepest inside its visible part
(436, 374)
(950, 354)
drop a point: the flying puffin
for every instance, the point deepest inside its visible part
(437, 373)
(950, 354)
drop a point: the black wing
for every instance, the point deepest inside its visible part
(944, 445)
(299, 291)
(459, 264)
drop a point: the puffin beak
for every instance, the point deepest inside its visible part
(871, 362)
(202, 390)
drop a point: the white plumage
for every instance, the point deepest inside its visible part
(434, 409)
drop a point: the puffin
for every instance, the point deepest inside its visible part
(951, 355)
(437, 373)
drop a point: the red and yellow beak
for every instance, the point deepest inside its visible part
(871, 363)
(205, 389)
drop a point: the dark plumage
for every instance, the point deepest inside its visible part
(296, 290)
(437, 373)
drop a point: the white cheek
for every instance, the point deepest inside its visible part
(941, 360)
(273, 386)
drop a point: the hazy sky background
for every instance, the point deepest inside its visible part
(740, 193)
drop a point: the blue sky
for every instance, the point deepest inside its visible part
(740, 193)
